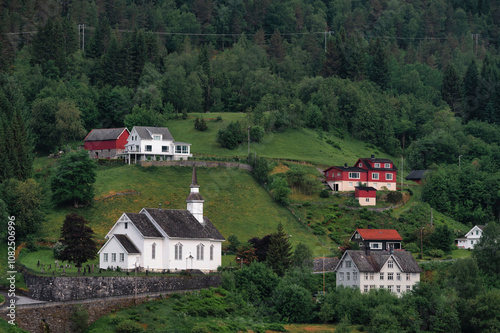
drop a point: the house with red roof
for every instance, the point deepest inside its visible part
(379, 173)
(106, 142)
(377, 239)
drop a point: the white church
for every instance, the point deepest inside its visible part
(164, 239)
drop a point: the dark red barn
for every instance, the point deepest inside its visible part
(106, 142)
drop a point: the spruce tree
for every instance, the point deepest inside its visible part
(450, 90)
(279, 256)
(379, 65)
(470, 84)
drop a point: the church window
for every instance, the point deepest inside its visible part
(178, 251)
(153, 251)
(113, 257)
(122, 257)
(211, 252)
(105, 257)
(200, 249)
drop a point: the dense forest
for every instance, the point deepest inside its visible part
(418, 79)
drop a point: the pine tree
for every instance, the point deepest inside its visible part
(379, 65)
(470, 84)
(77, 239)
(450, 90)
(279, 256)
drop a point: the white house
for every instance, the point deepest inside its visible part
(156, 144)
(396, 271)
(471, 238)
(164, 239)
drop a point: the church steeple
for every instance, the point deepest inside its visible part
(195, 200)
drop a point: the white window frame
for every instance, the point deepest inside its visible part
(212, 252)
(354, 175)
(381, 276)
(348, 276)
(390, 264)
(378, 247)
(348, 264)
(105, 257)
(122, 257)
(178, 251)
(156, 137)
(388, 176)
(375, 175)
(387, 165)
(148, 148)
(390, 276)
(200, 251)
(341, 276)
(398, 276)
(355, 276)
(164, 149)
(113, 257)
(398, 289)
(377, 165)
(365, 288)
(408, 276)
(153, 251)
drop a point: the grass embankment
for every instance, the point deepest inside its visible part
(296, 144)
(234, 202)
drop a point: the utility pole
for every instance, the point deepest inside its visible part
(402, 161)
(421, 244)
(81, 33)
(432, 219)
(248, 130)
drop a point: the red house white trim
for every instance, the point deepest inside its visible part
(367, 196)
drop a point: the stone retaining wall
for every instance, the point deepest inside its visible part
(60, 289)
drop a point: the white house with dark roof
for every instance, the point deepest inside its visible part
(396, 271)
(164, 239)
(156, 144)
(471, 238)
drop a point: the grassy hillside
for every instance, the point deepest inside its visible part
(234, 202)
(300, 144)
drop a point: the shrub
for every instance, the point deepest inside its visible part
(129, 326)
(324, 193)
(436, 253)
(256, 133)
(57, 250)
(231, 136)
(394, 197)
(352, 202)
(79, 318)
(200, 124)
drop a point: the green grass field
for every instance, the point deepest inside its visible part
(301, 144)
(234, 202)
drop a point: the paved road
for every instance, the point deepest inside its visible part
(20, 300)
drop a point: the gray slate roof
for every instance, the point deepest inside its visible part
(377, 160)
(127, 243)
(182, 224)
(416, 175)
(105, 134)
(330, 264)
(146, 132)
(145, 226)
(376, 260)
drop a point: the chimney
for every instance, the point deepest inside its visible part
(373, 156)
(391, 248)
(367, 248)
(345, 165)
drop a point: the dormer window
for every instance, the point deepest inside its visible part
(126, 225)
(360, 164)
(157, 137)
(387, 165)
(377, 165)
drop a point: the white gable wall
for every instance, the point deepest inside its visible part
(110, 248)
(347, 276)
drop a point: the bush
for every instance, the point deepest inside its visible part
(412, 247)
(394, 197)
(129, 326)
(256, 133)
(435, 253)
(200, 124)
(352, 202)
(324, 193)
(79, 318)
(57, 250)
(231, 136)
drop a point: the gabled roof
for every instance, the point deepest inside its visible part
(378, 234)
(144, 225)
(416, 175)
(328, 264)
(367, 162)
(478, 226)
(365, 188)
(127, 244)
(105, 134)
(146, 133)
(376, 260)
(345, 168)
(181, 223)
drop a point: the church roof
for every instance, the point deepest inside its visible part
(145, 226)
(182, 224)
(127, 244)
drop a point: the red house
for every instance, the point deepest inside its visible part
(377, 239)
(367, 196)
(373, 172)
(106, 142)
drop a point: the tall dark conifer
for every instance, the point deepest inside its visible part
(379, 72)
(279, 256)
(451, 91)
(470, 84)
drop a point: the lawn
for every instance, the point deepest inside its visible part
(461, 253)
(295, 144)
(234, 202)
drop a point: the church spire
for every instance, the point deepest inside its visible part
(194, 181)
(195, 200)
